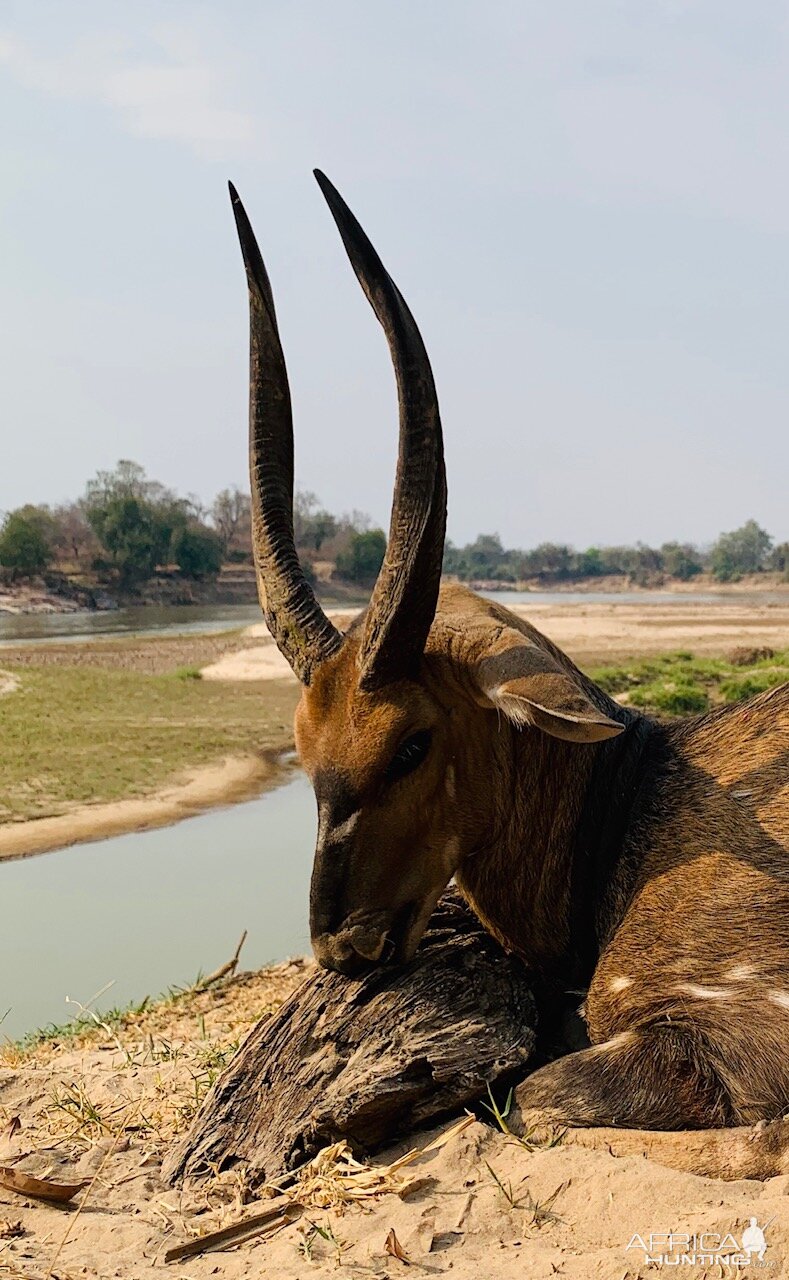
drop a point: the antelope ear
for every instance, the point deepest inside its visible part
(529, 686)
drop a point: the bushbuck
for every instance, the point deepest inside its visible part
(640, 865)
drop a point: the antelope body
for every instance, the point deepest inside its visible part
(641, 864)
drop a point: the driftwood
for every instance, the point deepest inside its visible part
(371, 1059)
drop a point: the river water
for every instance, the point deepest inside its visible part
(153, 909)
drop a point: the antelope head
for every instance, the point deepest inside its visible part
(388, 726)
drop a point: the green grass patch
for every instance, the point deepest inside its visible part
(758, 680)
(679, 684)
(73, 735)
(671, 697)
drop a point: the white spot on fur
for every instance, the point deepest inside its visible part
(740, 973)
(704, 993)
(781, 998)
(619, 984)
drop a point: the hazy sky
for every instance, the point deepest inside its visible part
(585, 202)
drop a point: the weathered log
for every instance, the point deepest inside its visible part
(369, 1060)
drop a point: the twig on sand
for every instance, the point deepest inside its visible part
(225, 970)
(280, 1213)
(332, 1179)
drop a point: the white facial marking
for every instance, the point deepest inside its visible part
(619, 984)
(781, 998)
(704, 993)
(341, 830)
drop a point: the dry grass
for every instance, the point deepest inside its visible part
(165, 1056)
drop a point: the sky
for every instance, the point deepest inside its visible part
(585, 203)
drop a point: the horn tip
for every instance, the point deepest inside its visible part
(327, 187)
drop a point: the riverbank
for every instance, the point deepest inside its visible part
(92, 745)
(55, 592)
(103, 1104)
(121, 733)
(229, 781)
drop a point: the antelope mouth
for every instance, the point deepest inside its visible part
(361, 945)
(398, 944)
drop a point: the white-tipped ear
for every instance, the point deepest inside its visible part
(528, 685)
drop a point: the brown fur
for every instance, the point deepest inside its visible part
(679, 924)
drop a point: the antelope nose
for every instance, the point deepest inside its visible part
(351, 949)
(335, 952)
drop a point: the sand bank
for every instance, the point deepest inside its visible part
(224, 782)
(592, 634)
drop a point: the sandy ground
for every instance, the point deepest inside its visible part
(592, 634)
(482, 1207)
(234, 778)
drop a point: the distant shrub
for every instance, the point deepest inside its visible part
(188, 673)
(744, 656)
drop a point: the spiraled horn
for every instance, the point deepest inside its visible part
(299, 626)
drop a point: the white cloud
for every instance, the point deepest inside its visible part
(176, 96)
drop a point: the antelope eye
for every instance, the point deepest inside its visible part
(409, 755)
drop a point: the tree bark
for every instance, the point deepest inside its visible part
(369, 1060)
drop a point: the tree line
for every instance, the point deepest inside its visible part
(749, 549)
(126, 527)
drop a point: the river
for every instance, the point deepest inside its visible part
(153, 909)
(191, 619)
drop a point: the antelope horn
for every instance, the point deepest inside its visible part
(405, 595)
(299, 626)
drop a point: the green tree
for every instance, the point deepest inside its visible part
(128, 530)
(681, 560)
(743, 550)
(197, 551)
(25, 541)
(363, 557)
(589, 563)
